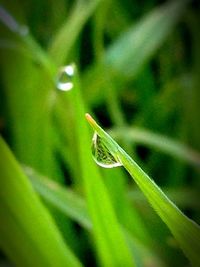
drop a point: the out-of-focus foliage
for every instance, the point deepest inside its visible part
(137, 69)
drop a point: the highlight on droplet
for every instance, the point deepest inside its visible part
(102, 155)
(64, 81)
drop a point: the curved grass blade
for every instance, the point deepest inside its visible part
(159, 142)
(186, 232)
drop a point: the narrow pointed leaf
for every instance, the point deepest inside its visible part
(186, 232)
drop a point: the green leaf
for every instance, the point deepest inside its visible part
(159, 142)
(105, 224)
(68, 33)
(65, 200)
(134, 47)
(28, 233)
(186, 232)
(74, 207)
(185, 197)
(128, 54)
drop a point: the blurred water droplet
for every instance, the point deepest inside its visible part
(101, 154)
(65, 78)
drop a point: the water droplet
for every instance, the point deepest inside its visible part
(101, 154)
(65, 76)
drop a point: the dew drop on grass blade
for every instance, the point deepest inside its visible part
(101, 154)
(186, 231)
(64, 80)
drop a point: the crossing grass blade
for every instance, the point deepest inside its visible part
(158, 142)
(74, 206)
(65, 200)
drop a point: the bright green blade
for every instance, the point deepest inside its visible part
(184, 230)
(73, 206)
(29, 235)
(106, 229)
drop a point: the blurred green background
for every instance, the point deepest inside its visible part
(135, 65)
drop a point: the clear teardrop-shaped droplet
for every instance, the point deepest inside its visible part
(101, 154)
(65, 76)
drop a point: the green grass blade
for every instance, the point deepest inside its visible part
(28, 234)
(28, 43)
(185, 197)
(65, 200)
(159, 142)
(68, 33)
(128, 54)
(74, 207)
(142, 40)
(105, 224)
(185, 230)
(116, 192)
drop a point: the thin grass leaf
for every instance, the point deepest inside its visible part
(186, 232)
(29, 236)
(143, 39)
(32, 48)
(105, 224)
(30, 93)
(128, 54)
(65, 200)
(74, 207)
(184, 197)
(159, 142)
(68, 33)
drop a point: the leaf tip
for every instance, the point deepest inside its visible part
(90, 119)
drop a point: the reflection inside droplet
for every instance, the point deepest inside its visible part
(65, 78)
(101, 154)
